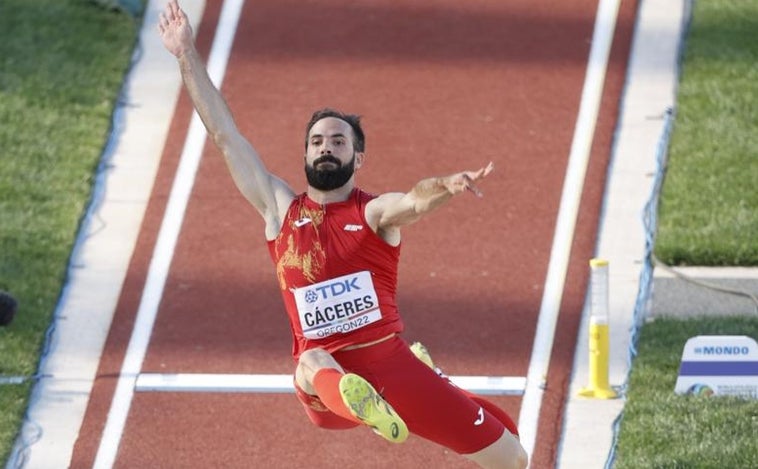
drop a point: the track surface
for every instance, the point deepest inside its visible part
(442, 86)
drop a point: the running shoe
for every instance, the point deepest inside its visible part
(422, 354)
(368, 406)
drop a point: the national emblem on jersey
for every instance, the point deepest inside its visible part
(309, 263)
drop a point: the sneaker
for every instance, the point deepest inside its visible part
(368, 406)
(422, 354)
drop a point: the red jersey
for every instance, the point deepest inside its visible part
(338, 277)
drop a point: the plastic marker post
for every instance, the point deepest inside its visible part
(599, 348)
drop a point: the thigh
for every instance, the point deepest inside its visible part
(431, 406)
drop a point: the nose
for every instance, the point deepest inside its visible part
(325, 149)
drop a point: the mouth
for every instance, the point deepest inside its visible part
(327, 162)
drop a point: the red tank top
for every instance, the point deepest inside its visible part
(338, 278)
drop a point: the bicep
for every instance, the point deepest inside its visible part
(391, 210)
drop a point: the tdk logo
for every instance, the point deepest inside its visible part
(722, 350)
(330, 290)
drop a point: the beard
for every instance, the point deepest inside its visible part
(329, 179)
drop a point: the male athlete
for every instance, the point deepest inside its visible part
(336, 251)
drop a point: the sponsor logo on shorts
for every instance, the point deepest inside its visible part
(479, 417)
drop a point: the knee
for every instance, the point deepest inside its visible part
(315, 359)
(505, 453)
(521, 460)
(309, 363)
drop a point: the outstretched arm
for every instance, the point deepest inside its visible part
(388, 212)
(266, 192)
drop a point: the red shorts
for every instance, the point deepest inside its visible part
(430, 405)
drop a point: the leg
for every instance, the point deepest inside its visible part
(423, 354)
(320, 415)
(347, 395)
(505, 453)
(310, 363)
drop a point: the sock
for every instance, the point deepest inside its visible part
(326, 382)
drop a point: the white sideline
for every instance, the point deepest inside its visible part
(164, 247)
(587, 437)
(602, 37)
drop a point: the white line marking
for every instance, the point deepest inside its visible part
(164, 248)
(205, 382)
(592, 92)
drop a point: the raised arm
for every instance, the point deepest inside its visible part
(266, 192)
(388, 212)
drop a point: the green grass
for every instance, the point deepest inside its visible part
(63, 63)
(661, 429)
(709, 203)
(708, 215)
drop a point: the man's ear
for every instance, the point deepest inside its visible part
(359, 158)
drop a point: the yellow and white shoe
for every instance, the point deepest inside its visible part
(368, 406)
(422, 354)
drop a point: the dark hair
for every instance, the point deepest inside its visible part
(359, 139)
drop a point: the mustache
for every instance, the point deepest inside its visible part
(327, 159)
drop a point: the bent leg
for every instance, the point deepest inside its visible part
(422, 354)
(318, 373)
(493, 409)
(311, 362)
(505, 453)
(349, 396)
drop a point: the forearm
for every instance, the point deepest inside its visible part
(396, 209)
(246, 167)
(430, 193)
(206, 98)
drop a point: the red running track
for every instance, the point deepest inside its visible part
(442, 86)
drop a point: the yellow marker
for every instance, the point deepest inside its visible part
(599, 347)
(599, 351)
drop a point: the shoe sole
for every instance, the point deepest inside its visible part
(371, 409)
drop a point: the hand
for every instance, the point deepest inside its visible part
(465, 180)
(175, 30)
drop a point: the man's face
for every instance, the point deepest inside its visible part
(330, 159)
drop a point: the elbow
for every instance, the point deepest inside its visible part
(225, 141)
(220, 139)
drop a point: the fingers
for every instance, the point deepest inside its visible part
(172, 20)
(173, 8)
(470, 186)
(488, 169)
(470, 177)
(171, 13)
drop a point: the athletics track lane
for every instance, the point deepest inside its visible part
(443, 87)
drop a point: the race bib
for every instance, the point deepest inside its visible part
(338, 305)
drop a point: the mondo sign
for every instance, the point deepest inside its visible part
(725, 365)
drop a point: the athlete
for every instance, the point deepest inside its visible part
(336, 250)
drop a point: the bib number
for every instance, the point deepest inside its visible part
(337, 306)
